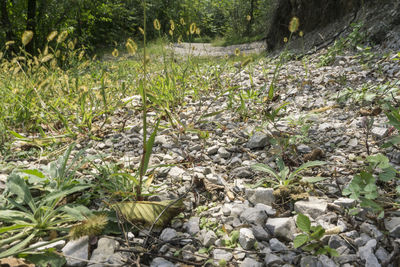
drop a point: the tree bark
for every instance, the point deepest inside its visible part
(31, 25)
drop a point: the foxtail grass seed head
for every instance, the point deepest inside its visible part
(182, 21)
(62, 36)
(51, 36)
(192, 28)
(285, 40)
(71, 45)
(248, 17)
(156, 24)
(1, 55)
(115, 53)
(9, 43)
(172, 24)
(171, 32)
(294, 24)
(237, 52)
(141, 30)
(58, 53)
(301, 33)
(26, 37)
(93, 226)
(131, 46)
(198, 31)
(180, 39)
(46, 50)
(46, 58)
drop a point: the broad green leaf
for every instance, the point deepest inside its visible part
(332, 252)
(300, 240)
(371, 191)
(306, 165)
(303, 222)
(78, 212)
(392, 141)
(17, 186)
(310, 247)
(379, 160)
(65, 192)
(46, 259)
(318, 233)
(283, 174)
(35, 172)
(146, 212)
(313, 179)
(265, 168)
(387, 174)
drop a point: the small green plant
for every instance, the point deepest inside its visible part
(310, 239)
(363, 187)
(32, 204)
(283, 177)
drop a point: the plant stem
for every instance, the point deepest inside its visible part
(144, 100)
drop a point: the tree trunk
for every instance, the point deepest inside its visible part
(5, 21)
(31, 25)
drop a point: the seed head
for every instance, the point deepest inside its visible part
(294, 24)
(61, 38)
(192, 28)
(51, 36)
(156, 24)
(26, 37)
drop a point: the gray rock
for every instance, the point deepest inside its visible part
(336, 241)
(260, 233)
(209, 239)
(237, 209)
(268, 209)
(78, 249)
(309, 261)
(282, 227)
(371, 230)
(277, 246)
(192, 226)
(242, 172)
(254, 216)
(381, 254)
(393, 226)
(104, 251)
(168, 234)
(257, 140)
(249, 262)
(353, 142)
(366, 253)
(161, 262)
(260, 195)
(220, 254)
(349, 258)
(379, 132)
(345, 202)
(212, 150)
(362, 240)
(223, 153)
(325, 261)
(246, 238)
(226, 209)
(303, 148)
(176, 173)
(272, 260)
(313, 207)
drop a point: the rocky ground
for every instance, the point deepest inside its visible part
(225, 217)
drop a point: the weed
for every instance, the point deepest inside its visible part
(284, 177)
(310, 239)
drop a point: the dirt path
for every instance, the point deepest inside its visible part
(206, 49)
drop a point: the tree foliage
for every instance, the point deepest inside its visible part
(103, 22)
